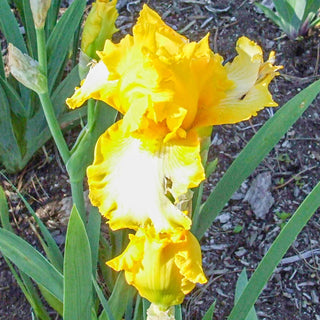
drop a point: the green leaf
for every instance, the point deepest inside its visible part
(52, 250)
(24, 282)
(105, 254)
(250, 157)
(211, 167)
(29, 28)
(10, 28)
(274, 255)
(93, 231)
(240, 286)
(121, 294)
(4, 212)
(52, 16)
(2, 72)
(270, 14)
(77, 298)
(138, 309)
(29, 291)
(16, 104)
(145, 306)
(59, 41)
(64, 90)
(210, 312)
(10, 154)
(53, 302)
(106, 309)
(31, 262)
(178, 312)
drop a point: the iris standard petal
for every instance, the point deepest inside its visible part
(249, 92)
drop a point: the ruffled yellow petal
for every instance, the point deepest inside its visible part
(99, 26)
(167, 87)
(135, 182)
(163, 267)
(249, 93)
(95, 85)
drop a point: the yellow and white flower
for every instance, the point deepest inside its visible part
(168, 90)
(162, 267)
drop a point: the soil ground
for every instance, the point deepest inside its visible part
(238, 239)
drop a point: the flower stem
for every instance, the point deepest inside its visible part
(42, 53)
(91, 113)
(53, 124)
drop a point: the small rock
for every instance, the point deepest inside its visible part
(237, 196)
(227, 226)
(223, 218)
(259, 195)
(241, 252)
(315, 297)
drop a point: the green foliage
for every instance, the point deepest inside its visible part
(77, 270)
(210, 312)
(277, 250)
(240, 286)
(23, 128)
(294, 17)
(254, 152)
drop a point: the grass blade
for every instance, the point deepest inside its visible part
(29, 28)
(4, 212)
(10, 28)
(210, 312)
(10, 154)
(77, 298)
(16, 105)
(24, 281)
(178, 312)
(121, 295)
(29, 292)
(93, 230)
(240, 286)
(52, 250)
(107, 312)
(275, 254)
(250, 157)
(59, 41)
(52, 16)
(31, 262)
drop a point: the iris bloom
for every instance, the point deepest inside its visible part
(163, 267)
(99, 26)
(168, 90)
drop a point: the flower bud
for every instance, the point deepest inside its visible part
(26, 70)
(163, 267)
(39, 10)
(99, 26)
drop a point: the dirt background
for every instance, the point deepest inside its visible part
(238, 238)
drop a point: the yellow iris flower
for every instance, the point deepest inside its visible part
(98, 27)
(163, 267)
(168, 89)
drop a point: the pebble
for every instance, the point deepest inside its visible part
(224, 217)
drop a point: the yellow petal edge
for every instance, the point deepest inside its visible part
(163, 267)
(135, 181)
(167, 87)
